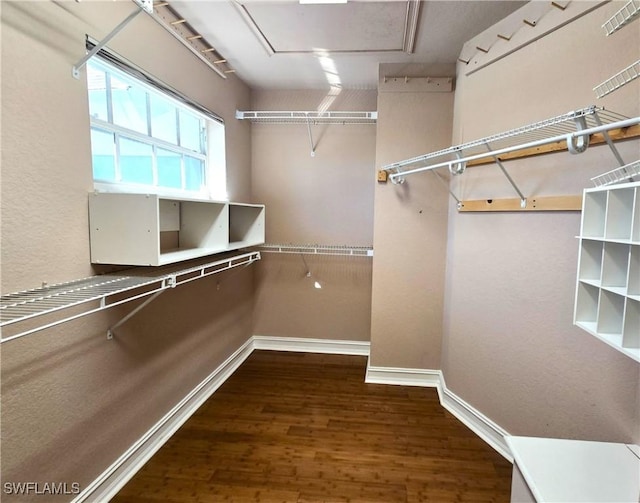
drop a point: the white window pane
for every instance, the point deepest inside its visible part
(103, 155)
(97, 87)
(136, 162)
(129, 105)
(167, 143)
(194, 173)
(169, 168)
(164, 125)
(190, 131)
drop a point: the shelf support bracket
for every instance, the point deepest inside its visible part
(446, 185)
(75, 71)
(169, 282)
(523, 200)
(313, 148)
(607, 138)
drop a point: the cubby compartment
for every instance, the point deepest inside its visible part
(593, 214)
(619, 214)
(586, 312)
(201, 229)
(246, 225)
(633, 286)
(591, 261)
(615, 267)
(635, 231)
(631, 330)
(151, 230)
(610, 313)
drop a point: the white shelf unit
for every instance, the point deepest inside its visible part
(607, 301)
(153, 230)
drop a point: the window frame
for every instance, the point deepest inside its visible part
(212, 135)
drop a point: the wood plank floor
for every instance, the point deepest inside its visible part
(299, 427)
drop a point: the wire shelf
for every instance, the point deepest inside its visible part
(21, 306)
(556, 126)
(623, 17)
(621, 78)
(109, 290)
(302, 117)
(360, 251)
(623, 174)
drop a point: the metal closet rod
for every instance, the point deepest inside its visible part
(553, 139)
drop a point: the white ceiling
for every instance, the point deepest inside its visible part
(286, 45)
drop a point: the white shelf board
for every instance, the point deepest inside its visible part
(613, 340)
(618, 290)
(592, 282)
(180, 255)
(559, 470)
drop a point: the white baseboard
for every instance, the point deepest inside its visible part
(402, 376)
(126, 466)
(477, 422)
(473, 419)
(303, 345)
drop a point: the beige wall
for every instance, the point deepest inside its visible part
(410, 229)
(72, 402)
(510, 348)
(326, 199)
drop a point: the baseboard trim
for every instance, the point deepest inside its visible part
(481, 425)
(303, 345)
(126, 466)
(403, 376)
(107, 485)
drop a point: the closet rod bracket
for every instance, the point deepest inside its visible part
(579, 144)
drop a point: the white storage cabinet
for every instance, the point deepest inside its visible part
(152, 230)
(608, 286)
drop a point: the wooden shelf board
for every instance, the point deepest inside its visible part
(544, 203)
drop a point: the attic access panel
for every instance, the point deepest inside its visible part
(350, 27)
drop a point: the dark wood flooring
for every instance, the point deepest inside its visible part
(298, 427)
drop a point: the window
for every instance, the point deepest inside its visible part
(144, 140)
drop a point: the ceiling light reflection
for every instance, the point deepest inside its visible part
(332, 76)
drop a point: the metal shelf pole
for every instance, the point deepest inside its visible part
(75, 71)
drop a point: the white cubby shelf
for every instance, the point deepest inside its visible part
(607, 303)
(154, 230)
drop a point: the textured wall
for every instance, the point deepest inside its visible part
(325, 199)
(72, 402)
(510, 348)
(410, 230)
